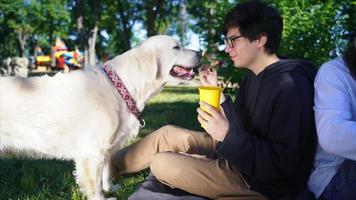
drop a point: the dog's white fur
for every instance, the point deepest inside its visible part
(80, 116)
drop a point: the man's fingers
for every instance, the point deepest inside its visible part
(202, 68)
(210, 109)
(203, 114)
(202, 121)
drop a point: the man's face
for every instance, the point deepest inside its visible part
(241, 51)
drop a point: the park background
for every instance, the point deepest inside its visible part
(317, 30)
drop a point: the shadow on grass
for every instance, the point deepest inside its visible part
(182, 114)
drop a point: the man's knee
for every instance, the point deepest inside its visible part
(166, 129)
(164, 168)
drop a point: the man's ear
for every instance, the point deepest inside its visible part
(262, 40)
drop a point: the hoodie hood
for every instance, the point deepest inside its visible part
(290, 65)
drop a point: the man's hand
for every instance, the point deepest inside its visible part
(215, 123)
(208, 76)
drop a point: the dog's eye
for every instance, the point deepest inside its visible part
(176, 47)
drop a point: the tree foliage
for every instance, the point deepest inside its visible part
(313, 29)
(316, 30)
(29, 20)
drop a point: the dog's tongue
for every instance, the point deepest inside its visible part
(181, 70)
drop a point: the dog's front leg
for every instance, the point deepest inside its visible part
(108, 175)
(88, 176)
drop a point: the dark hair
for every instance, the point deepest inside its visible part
(350, 58)
(254, 19)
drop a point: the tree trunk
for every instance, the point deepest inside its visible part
(93, 32)
(182, 30)
(212, 45)
(126, 36)
(91, 46)
(88, 38)
(22, 37)
(151, 15)
(150, 18)
(80, 29)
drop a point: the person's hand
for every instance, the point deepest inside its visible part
(208, 76)
(215, 123)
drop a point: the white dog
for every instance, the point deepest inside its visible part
(81, 116)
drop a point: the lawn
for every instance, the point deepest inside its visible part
(26, 179)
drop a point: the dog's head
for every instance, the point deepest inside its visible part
(146, 68)
(160, 58)
(170, 61)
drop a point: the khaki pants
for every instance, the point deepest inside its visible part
(184, 159)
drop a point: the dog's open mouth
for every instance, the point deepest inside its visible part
(182, 72)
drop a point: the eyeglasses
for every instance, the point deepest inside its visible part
(230, 41)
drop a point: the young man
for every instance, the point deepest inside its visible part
(261, 145)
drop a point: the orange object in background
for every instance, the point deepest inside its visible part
(60, 57)
(61, 62)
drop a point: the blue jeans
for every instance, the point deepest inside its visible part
(343, 185)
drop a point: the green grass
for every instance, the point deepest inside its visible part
(28, 179)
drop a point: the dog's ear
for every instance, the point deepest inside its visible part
(149, 63)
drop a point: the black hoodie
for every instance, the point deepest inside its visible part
(272, 136)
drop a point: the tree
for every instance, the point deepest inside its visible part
(153, 14)
(118, 20)
(182, 22)
(314, 30)
(56, 22)
(22, 18)
(87, 20)
(160, 16)
(33, 22)
(349, 12)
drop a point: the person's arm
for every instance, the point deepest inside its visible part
(277, 154)
(336, 130)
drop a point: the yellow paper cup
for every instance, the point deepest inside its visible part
(210, 95)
